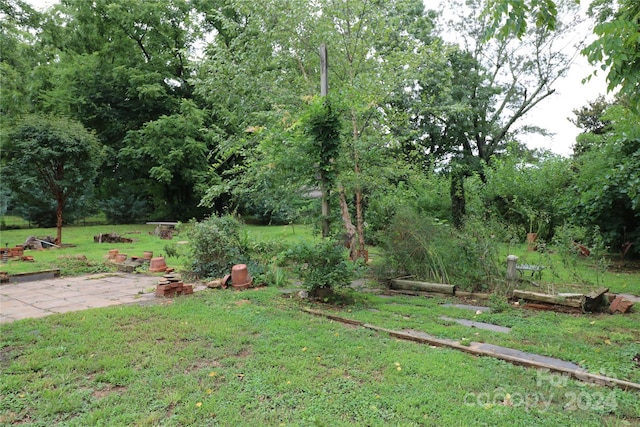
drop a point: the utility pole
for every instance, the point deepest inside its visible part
(324, 188)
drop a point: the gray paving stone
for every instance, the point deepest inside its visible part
(64, 294)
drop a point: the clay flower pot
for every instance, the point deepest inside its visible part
(112, 254)
(147, 255)
(121, 257)
(157, 264)
(240, 278)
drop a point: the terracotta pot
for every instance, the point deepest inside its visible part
(157, 264)
(240, 278)
(121, 257)
(147, 255)
(112, 254)
(225, 281)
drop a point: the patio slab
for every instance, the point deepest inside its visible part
(63, 294)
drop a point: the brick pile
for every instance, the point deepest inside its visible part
(171, 285)
(16, 252)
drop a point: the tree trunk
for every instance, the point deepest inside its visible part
(360, 226)
(348, 225)
(357, 251)
(458, 201)
(59, 210)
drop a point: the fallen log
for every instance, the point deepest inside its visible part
(575, 300)
(411, 285)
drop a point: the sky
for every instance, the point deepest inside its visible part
(553, 112)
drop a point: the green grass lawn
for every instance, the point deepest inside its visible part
(221, 357)
(254, 358)
(78, 241)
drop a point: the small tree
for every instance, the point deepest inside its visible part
(53, 156)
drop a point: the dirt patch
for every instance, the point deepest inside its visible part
(626, 267)
(245, 352)
(99, 394)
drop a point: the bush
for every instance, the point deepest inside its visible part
(321, 265)
(216, 245)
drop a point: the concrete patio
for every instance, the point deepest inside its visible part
(60, 295)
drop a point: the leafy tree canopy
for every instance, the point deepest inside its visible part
(51, 156)
(616, 48)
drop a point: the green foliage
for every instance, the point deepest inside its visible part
(51, 157)
(323, 124)
(515, 17)
(215, 246)
(125, 208)
(404, 187)
(528, 195)
(321, 265)
(617, 46)
(173, 150)
(418, 246)
(606, 191)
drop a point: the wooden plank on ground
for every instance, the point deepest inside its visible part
(569, 301)
(477, 349)
(411, 285)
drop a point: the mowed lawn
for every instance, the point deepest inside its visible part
(222, 357)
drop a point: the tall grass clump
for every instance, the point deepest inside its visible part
(427, 249)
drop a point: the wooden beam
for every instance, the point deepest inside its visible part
(324, 67)
(410, 285)
(573, 301)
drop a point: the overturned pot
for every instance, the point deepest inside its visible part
(240, 278)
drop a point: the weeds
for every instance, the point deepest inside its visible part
(573, 244)
(431, 250)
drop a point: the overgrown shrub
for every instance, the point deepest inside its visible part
(574, 244)
(426, 249)
(321, 265)
(215, 246)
